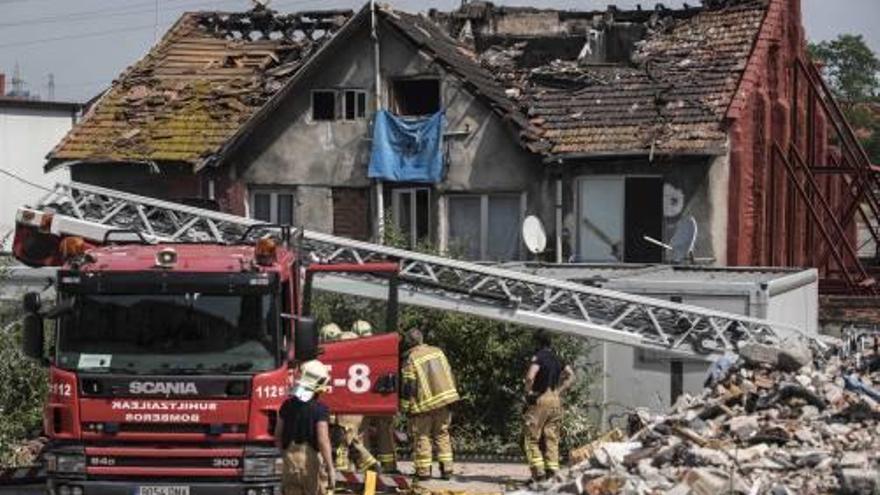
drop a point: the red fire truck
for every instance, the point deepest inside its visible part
(168, 361)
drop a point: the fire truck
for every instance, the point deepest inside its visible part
(176, 329)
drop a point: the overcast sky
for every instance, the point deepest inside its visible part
(86, 43)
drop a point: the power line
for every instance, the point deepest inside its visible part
(77, 36)
(23, 180)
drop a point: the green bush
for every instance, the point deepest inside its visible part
(22, 391)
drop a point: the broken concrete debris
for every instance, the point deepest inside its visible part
(778, 421)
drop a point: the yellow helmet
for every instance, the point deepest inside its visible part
(362, 328)
(313, 378)
(330, 332)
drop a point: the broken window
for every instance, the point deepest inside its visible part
(272, 206)
(354, 104)
(615, 214)
(415, 96)
(485, 226)
(411, 209)
(323, 105)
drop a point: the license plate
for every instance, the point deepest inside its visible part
(163, 490)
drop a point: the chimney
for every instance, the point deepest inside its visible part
(2, 84)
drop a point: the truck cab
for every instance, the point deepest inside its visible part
(168, 364)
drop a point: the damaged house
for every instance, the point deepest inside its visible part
(611, 126)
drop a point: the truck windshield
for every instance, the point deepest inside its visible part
(188, 333)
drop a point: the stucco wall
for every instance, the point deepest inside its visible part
(292, 150)
(26, 136)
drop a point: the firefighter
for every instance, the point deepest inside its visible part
(350, 447)
(381, 428)
(427, 391)
(546, 379)
(302, 433)
(330, 332)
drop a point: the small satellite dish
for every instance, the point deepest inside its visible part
(683, 240)
(534, 235)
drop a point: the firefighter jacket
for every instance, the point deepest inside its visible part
(428, 383)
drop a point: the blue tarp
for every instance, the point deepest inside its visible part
(407, 150)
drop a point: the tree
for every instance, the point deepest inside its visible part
(850, 66)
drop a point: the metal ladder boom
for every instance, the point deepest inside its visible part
(443, 283)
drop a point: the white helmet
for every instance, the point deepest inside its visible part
(313, 378)
(362, 328)
(330, 332)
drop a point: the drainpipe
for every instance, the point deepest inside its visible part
(380, 196)
(559, 219)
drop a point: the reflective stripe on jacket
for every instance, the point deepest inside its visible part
(428, 383)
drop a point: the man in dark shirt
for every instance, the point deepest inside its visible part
(546, 379)
(302, 432)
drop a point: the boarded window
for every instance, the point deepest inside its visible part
(273, 206)
(416, 96)
(323, 105)
(485, 226)
(351, 213)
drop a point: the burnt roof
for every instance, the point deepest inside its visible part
(209, 74)
(670, 96)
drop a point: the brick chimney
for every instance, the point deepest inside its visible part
(2, 84)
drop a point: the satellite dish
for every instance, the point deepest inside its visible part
(534, 235)
(683, 240)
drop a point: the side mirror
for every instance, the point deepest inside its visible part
(305, 339)
(32, 341)
(31, 302)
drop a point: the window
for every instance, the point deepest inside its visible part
(354, 104)
(415, 96)
(323, 105)
(614, 216)
(485, 226)
(272, 206)
(411, 209)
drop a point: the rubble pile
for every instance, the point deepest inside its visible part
(770, 421)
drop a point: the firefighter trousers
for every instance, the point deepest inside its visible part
(427, 428)
(383, 444)
(302, 473)
(541, 428)
(352, 449)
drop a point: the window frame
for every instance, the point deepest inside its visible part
(357, 93)
(335, 94)
(484, 198)
(394, 101)
(396, 194)
(273, 193)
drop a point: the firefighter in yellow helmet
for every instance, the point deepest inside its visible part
(350, 448)
(546, 379)
(427, 391)
(381, 428)
(302, 433)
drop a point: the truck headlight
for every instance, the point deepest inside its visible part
(65, 463)
(263, 466)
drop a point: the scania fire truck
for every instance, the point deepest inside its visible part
(176, 329)
(169, 361)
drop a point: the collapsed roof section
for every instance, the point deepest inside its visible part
(197, 87)
(616, 82)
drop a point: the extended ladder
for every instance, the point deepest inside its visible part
(432, 281)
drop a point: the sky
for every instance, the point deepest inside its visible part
(84, 44)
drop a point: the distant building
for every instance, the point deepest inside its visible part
(28, 131)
